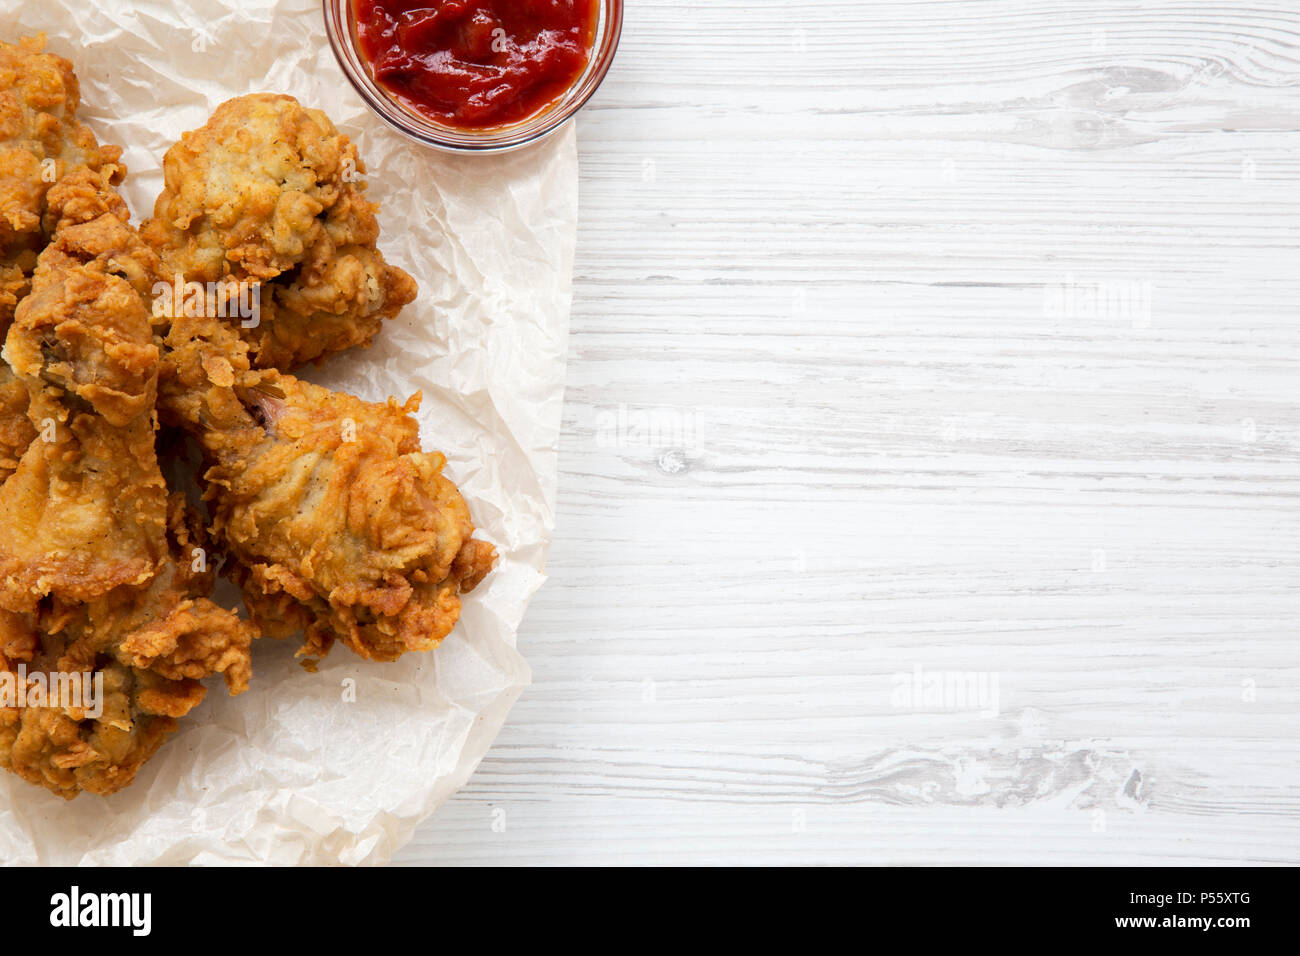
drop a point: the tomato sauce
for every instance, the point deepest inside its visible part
(476, 64)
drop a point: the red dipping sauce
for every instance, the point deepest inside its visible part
(476, 64)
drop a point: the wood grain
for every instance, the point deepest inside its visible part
(959, 337)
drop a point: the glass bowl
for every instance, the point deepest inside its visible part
(340, 26)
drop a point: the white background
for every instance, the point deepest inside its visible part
(844, 260)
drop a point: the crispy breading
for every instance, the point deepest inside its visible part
(101, 571)
(171, 628)
(16, 429)
(67, 751)
(336, 521)
(41, 141)
(84, 512)
(270, 193)
(42, 145)
(81, 197)
(152, 645)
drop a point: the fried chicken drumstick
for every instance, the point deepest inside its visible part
(335, 521)
(271, 193)
(41, 141)
(99, 567)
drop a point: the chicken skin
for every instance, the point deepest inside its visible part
(270, 193)
(16, 430)
(336, 522)
(41, 142)
(104, 574)
(85, 510)
(150, 645)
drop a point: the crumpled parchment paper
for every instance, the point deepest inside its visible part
(291, 771)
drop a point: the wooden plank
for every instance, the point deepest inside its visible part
(916, 341)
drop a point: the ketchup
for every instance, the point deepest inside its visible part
(476, 64)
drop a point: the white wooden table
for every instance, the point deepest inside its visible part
(912, 341)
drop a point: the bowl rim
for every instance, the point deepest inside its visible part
(404, 120)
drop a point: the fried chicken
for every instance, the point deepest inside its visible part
(65, 749)
(152, 645)
(16, 430)
(270, 193)
(41, 142)
(335, 520)
(101, 572)
(85, 511)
